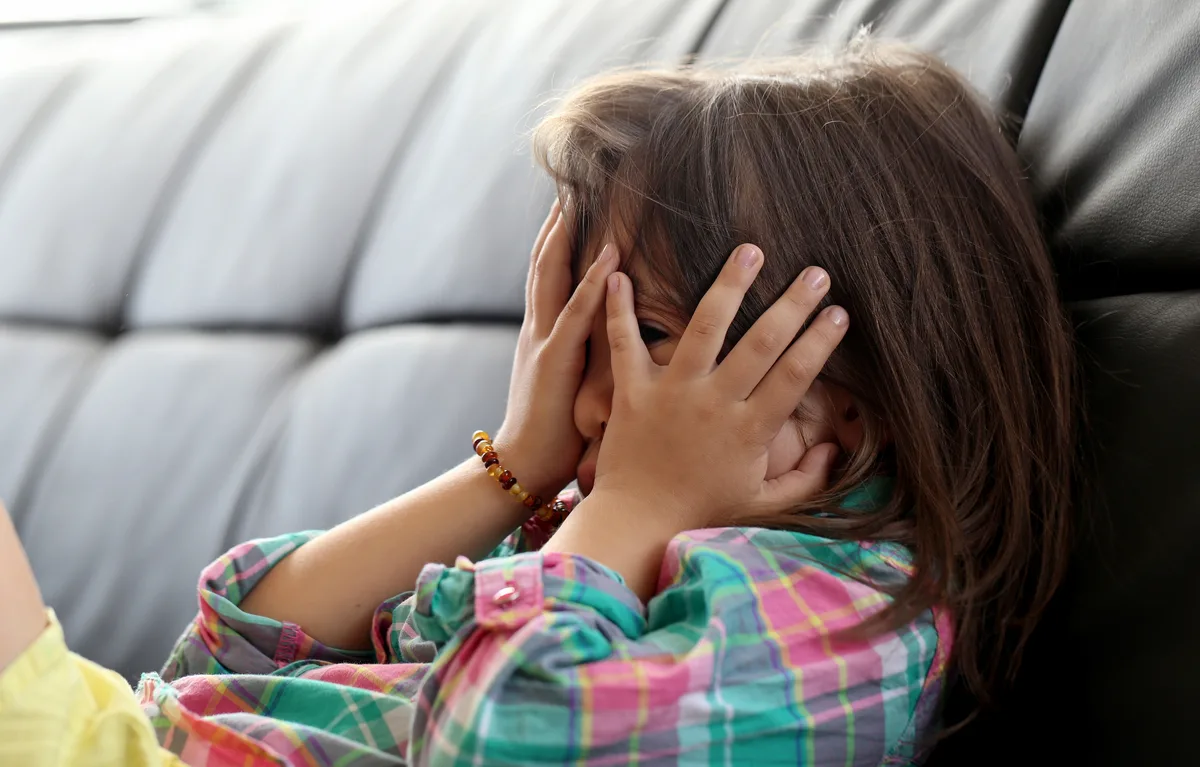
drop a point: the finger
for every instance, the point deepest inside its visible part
(776, 397)
(537, 249)
(808, 479)
(705, 333)
(551, 278)
(628, 354)
(770, 335)
(574, 322)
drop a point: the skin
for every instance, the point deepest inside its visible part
(641, 424)
(332, 585)
(24, 614)
(829, 409)
(670, 425)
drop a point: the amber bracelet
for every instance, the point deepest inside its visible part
(491, 461)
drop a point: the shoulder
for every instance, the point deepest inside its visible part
(795, 600)
(754, 555)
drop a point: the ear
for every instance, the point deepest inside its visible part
(847, 420)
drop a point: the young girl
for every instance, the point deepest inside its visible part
(791, 528)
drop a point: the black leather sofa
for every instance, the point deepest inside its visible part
(261, 274)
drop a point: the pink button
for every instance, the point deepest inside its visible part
(506, 596)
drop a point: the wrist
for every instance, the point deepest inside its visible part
(495, 465)
(655, 513)
(626, 536)
(490, 494)
(529, 472)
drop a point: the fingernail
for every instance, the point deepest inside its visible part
(837, 315)
(614, 282)
(747, 256)
(606, 254)
(814, 277)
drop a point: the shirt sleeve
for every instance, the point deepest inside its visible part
(60, 710)
(742, 657)
(224, 639)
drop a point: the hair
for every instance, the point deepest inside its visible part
(881, 165)
(884, 167)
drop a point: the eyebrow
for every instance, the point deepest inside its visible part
(643, 298)
(646, 300)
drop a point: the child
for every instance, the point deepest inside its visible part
(789, 527)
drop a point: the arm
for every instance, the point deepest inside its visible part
(55, 707)
(24, 614)
(656, 475)
(738, 659)
(332, 585)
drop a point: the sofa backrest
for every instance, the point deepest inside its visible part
(260, 274)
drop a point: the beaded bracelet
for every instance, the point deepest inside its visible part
(491, 461)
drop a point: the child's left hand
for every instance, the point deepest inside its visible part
(686, 443)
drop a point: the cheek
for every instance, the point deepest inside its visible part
(788, 446)
(596, 386)
(785, 451)
(663, 352)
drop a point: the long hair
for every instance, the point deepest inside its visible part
(883, 166)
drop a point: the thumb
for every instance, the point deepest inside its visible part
(810, 477)
(818, 462)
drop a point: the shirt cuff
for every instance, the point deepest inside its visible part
(506, 593)
(242, 642)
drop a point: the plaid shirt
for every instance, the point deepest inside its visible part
(530, 659)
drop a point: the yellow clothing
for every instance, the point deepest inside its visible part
(60, 710)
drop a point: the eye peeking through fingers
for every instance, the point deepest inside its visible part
(652, 335)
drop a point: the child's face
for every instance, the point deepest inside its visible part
(833, 418)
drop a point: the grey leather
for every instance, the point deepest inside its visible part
(258, 275)
(1000, 45)
(222, 244)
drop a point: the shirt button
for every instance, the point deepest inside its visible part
(506, 596)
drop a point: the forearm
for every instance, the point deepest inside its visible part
(332, 585)
(623, 536)
(22, 613)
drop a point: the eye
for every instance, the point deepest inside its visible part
(652, 335)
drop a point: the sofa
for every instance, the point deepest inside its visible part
(259, 273)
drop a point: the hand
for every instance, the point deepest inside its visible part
(539, 441)
(686, 443)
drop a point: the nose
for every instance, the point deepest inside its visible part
(593, 402)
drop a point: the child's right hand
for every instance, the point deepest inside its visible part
(539, 441)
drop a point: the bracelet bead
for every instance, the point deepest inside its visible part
(481, 443)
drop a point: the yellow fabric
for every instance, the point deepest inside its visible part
(60, 710)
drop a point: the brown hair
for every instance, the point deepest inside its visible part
(881, 165)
